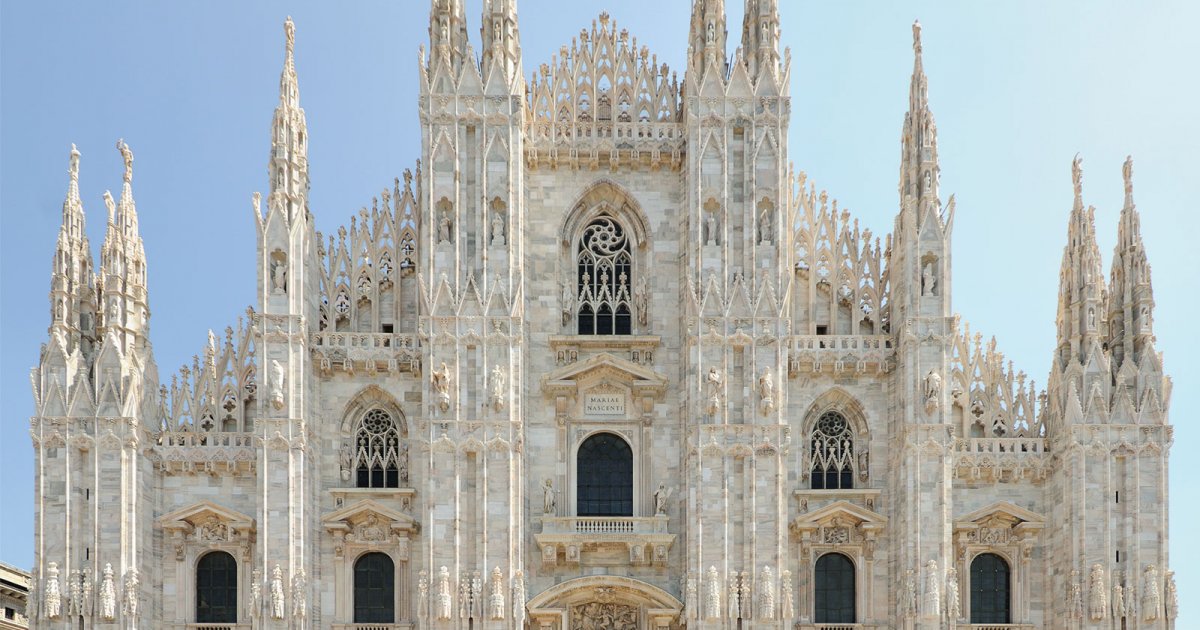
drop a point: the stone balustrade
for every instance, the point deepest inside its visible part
(211, 452)
(859, 354)
(646, 540)
(369, 352)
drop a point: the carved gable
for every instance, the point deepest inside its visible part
(368, 523)
(604, 386)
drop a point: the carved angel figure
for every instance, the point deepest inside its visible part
(497, 598)
(1098, 596)
(277, 610)
(712, 607)
(53, 598)
(445, 605)
(108, 594)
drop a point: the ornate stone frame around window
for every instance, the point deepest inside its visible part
(196, 530)
(1008, 531)
(364, 527)
(844, 528)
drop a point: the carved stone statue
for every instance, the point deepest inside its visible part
(132, 593)
(53, 598)
(641, 301)
(86, 585)
(953, 601)
(1077, 175)
(932, 602)
(445, 604)
(423, 594)
(928, 280)
(497, 599)
(710, 227)
(745, 588)
(712, 607)
(440, 379)
(277, 385)
(1150, 601)
(277, 611)
(713, 381)
(108, 594)
(299, 595)
(444, 227)
(690, 596)
(787, 596)
(766, 390)
(735, 597)
(255, 603)
(497, 229)
(1118, 598)
(1076, 596)
(127, 157)
(499, 387)
(568, 301)
(766, 594)
(278, 275)
(549, 499)
(346, 460)
(1172, 597)
(1131, 601)
(932, 391)
(370, 530)
(1098, 595)
(710, 35)
(74, 594)
(910, 593)
(660, 499)
(766, 228)
(518, 599)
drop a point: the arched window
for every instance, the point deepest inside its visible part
(216, 588)
(374, 589)
(605, 469)
(989, 589)
(832, 453)
(834, 589)
(380, 458)
(605, 273)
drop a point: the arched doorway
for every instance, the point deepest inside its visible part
(604, 603)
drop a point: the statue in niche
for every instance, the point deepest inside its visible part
(568, 301)
(277, 384)
(132, 596)
(445, 226)
(549, 497)
(1098, 596)
(711, 33)
(1091, 319)
(53, 598)
(299, 597)
(345, 460)
(766, 390)
(641, 301)
(277, 610)
(953, 600)
(928, 279)
(497, 229)
(933, 598)
(278, 274)
(660, 499)
(499, 383)
(714, 380)
(766, 227)
(933, 391)
(710, 226)
(114, 311)
(497, 35)
(440, 379)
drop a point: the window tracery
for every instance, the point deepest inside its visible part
(604, 265)
(832, 453)
(380, 458)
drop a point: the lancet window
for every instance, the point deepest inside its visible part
(832, 453)
(605, 271)
(380, 457)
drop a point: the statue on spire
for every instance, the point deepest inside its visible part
(126, 155)
(1077, 175)
(73, 169)
(1127, 172)
(916, 36)
(289, 31)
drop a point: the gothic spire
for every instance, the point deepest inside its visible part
(501, 37)
(1081, 316)
(123, 265)
(288, 166)
(1131, 294)
(707, 39)
(448, 33)
(760, 36)
(919, 170)
(71, 277)
(127, 218)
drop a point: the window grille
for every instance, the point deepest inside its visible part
(990, 595)
(216, 588)
(375, 589)
(380, 458)
(605, 269)
(832, 453)
(834, 589)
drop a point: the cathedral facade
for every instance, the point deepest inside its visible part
(601, 360)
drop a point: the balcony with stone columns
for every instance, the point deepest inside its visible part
(579, 539)
(840, 354)
(367, 353)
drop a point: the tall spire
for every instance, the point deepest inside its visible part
(501, 37)
(707, 39)
(288, 166)
(71, 290)
(125, 310)
(919, 170)
(760, 36)
(448, 33)
(1131, 307)
(127, 210)
(1081, 314)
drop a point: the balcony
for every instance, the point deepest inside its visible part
(858, 354)
(208, 452)
(580, 539)
(1002, 459)
(372, 626)
(218, 626)
(368, 352)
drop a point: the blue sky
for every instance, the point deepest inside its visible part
(1017, 87)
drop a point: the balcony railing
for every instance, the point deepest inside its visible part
(213, 452)
(372, 626)
(1001, 445)
(218, 626)
(605, 525)
(364, 350)
(840, 353)
(206, 438)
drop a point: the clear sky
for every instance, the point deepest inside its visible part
(1017, 87)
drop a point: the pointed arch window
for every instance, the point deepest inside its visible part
(605, 469)
(375, 589)
(990, 594)
(834, 589)
(605, 268)
(380, 457)
(832, 453)
(216, 588)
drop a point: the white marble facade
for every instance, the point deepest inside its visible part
(431, 351)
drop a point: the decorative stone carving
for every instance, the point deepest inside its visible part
(1118, 598)
(787, 595)
(928, 279)
(278, 273)
(74, 594)
(518, 599)
(277, 385)
(370, 530)
(691, 597)
(1075, 599)
(932, 601)
(255, 603)
(641, 301)
(132, 593)
(712, 607)
(423, 594)
(213, 529)
(568, 301)
(299, 595)
(277, 609)
(497, 598)
(1172, 597)
(53, 598)
(498, 382)
(766, 594)
(910, 593)
(497, 226)
(86, 585)
(735, 596)
(933, 391)
(108, 594)
(345, 460)
(549, 498)
(766, 391)
(953, 601)
(604, 615)
(713, 381)
(745, 588)
(1098, 594)
(440, 379)
(1150, 601)
(445, 604)
(660, 499)
(1131, 600)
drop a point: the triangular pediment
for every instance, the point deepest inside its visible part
(843, 513)
(206, 514)
(365, 514)
(1001, 513)
(603, 367)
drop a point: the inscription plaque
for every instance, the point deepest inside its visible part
(604, 404)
